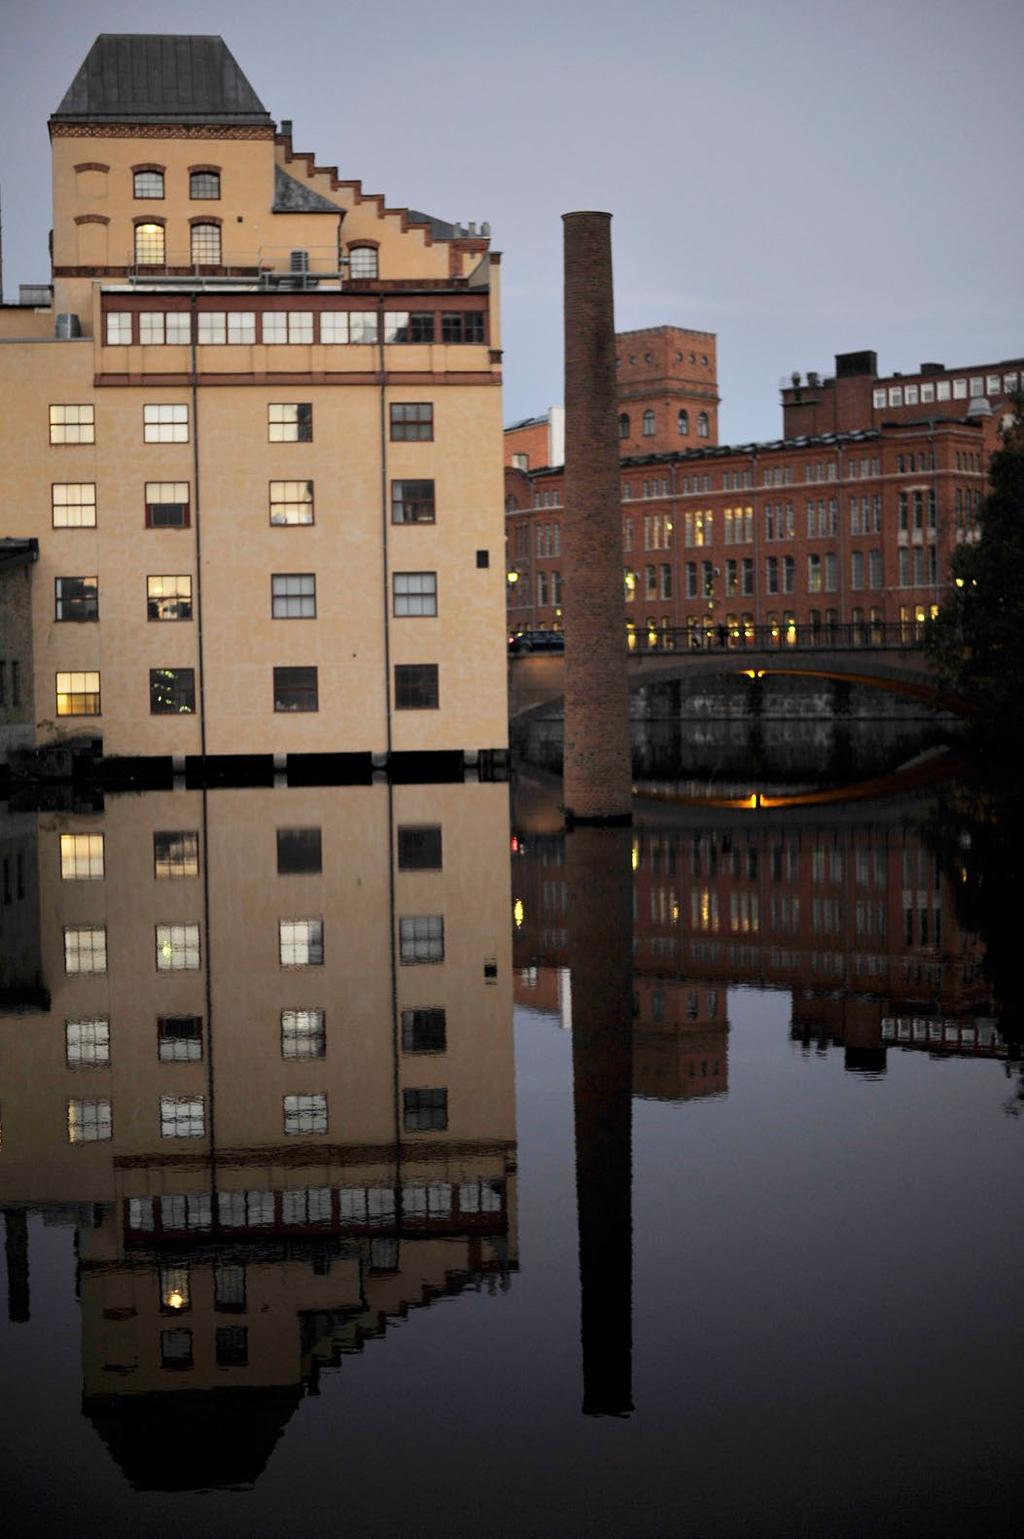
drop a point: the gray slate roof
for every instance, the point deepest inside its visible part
(294, 197)
(440, 229)
(154, 78)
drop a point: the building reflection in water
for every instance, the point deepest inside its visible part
(848, 909)
(258, 1050)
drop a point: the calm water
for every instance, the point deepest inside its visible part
(648, 1182)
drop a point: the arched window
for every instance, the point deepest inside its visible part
(702, 425)
(204, 184)
(362, 262)
(511, 504)
(148, 182)
(149, 245)
(206, 245)
(683, 423)
(648, 424)
(624, 424)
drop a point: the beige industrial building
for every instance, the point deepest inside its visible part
(254, 424)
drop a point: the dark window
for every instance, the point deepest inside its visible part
(425, 1111)
(176, 1349)
(295, 689)
(412, 502)
(204, 184)
(624, 424)
(416, 687)
(462, 326)
(229, 1287)
(298, 851)
(169, 598)
(172, 691)
(167, 505)
(424, 1031)
(412, 420)
(77, 598)
(179, 1038)
(421, 326)
(483, 558)
(175, 853)
(419, 848)
(232, 1346)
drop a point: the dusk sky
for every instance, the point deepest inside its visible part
(801, 178)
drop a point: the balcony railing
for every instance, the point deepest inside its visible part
(861, 635)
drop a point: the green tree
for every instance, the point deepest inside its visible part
(977, 640)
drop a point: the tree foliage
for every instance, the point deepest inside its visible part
(977, 639)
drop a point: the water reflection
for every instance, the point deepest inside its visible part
(256, 1046)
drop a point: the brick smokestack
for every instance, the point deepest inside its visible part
(597, 767)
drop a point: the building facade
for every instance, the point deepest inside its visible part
(853, 526)
(255, 427)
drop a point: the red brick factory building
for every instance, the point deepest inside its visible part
(849, 518)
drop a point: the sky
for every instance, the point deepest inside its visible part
(800, 178)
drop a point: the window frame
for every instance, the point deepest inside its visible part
(155, 599)
(82, 857)
(84, 426)
(86, 692)
(184, 934)
(163, 422)
(406, 418)
(197, 172)
(302, 422)
(417, 687)
(287, 501)
(157, 172)
(403, 603)
(181, 699)
(416, 852)
(170, 864)
(200, 233)
(298, 689)
(87, 601)
(155, 520)
(414, 506)
(284, 598)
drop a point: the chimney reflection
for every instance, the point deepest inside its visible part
(271, 1143)
(600, 921)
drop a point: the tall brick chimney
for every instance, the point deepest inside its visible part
(597, 768)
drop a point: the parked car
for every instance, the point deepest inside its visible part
(521, 642)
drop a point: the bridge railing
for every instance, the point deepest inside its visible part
(870, 635)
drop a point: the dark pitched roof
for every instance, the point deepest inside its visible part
(440, 229)
(155, 78)
(293, 197)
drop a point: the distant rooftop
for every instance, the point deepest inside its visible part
(144, 77)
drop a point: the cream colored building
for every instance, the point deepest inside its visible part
(256, 431)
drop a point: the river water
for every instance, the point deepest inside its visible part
(382, 1160)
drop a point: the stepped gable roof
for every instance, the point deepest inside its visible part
(292, 197)
(143, 77)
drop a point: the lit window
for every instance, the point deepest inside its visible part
(299, 851)
(421, 938)
(78, 694)
(362, 262)
(172, 691)
(419, 847)
(175, 1289)
(424, 1111)
(73, 505)
(81, 857)
(424, 1031)
(149, 245)
(413, 420)
(169, 598)
(416, 687)
(89, 1121)
(204, 184)
(295, 689)
(294, 326)
(175, 854)
(291, 502)
(412, 502)
(648, 428)
(165, 424)
(293, 596)
(290, 423)
(87, 1043)
(73, 425)
(177, 948)
(305, 1113)
(334, 326)
(182, 1116)
(212, 328)
(179, 1039)
(76, 598)
(303, 1034)
(167, 505)
(85, 949)
(415, 593)
(119, 328)
(241, 327)
(206, 245)
(149, 184)
(301, 942)
(362, 326)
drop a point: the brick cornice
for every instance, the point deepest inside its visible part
(162, 131)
